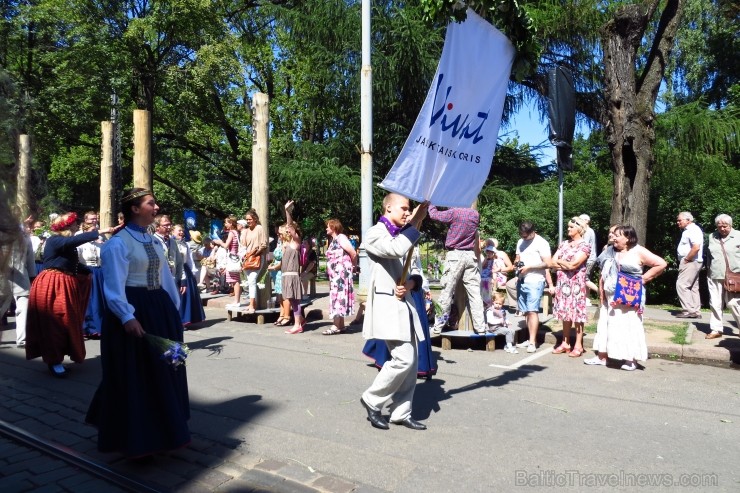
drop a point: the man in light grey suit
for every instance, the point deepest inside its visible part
(162, 229)
(390, 314)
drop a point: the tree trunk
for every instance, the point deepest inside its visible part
(630, 102)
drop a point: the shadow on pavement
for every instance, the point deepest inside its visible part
(429, 394)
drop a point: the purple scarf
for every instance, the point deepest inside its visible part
(392, 228)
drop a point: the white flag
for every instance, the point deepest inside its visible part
(448, 154)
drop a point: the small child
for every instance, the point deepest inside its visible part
(497, 323)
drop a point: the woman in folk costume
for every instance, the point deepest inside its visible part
(89, 255)
(191, 306)
(59, 297)
(141, 406)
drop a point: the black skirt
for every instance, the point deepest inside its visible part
(141, 406)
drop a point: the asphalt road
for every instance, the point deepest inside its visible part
(551, 421)
(497, 421)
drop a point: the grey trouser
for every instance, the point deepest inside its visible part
(396, 381)
(461, 265)
(687, 286)
(717, 297)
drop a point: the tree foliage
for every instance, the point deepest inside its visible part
(196, 64)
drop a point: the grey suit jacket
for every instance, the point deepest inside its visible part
(174, 258)
(387, 317)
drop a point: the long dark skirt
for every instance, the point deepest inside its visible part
(96, 307)
(377, 350)
(191, 306)
(141, 406)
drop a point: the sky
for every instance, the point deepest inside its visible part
(527, 125)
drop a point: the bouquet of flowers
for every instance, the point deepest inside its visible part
(173, 353)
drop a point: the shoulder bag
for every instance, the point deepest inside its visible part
(628, 291)
(233, 264)
(732, 279)
(252, 262)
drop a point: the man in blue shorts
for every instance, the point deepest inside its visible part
(531, 261)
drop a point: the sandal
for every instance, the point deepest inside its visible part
(295, 330)
(248, 311)
(562, 348)
(283, 322)
(333, 330)
(576, 352)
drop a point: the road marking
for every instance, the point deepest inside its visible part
(526, 360)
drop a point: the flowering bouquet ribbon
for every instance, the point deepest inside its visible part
(173, 353)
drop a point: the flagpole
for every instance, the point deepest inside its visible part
(366, 158)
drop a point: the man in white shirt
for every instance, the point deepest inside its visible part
(532, 258)
(690, 260)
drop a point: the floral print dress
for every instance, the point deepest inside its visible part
(341, 289)
(570, 293)
(277, 275)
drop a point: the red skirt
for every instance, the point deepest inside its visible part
(56, 313)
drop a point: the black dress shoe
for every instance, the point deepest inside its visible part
(375, 418)
(410, 422)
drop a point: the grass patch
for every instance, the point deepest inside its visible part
(679, 331)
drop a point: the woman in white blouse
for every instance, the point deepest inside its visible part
(141, 406)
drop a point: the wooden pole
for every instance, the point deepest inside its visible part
(260, 185)
(142, 149)
(107, 173)
(260, 156)
(23, 192)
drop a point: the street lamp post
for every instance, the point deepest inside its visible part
(366, 158)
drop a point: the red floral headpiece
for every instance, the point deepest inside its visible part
(62, 225)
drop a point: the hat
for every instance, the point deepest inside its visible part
(242, 222)
(196, 237)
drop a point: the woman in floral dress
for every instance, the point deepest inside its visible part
(570, 293)
(340, 261)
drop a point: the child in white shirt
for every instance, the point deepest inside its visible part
(497, 323)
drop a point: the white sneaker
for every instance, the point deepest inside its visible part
(531, 348)
(510, 349)
(523, 344)
(629, 366)
(595, 361)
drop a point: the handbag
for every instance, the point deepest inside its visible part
(732, 279)
(233, 264)
(628, 290)
(252, 262)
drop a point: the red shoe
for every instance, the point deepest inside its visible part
(576, 352)
(562, 348)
